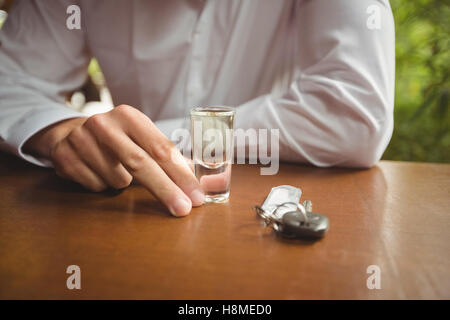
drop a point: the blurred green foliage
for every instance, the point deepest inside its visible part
(3, 16)
(421, 114)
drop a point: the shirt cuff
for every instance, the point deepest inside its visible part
(30, 125)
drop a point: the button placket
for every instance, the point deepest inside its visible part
(194, 81)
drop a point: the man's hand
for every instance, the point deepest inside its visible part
(110, 149)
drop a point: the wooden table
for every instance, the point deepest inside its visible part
(395, 215)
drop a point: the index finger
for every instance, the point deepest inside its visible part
(146, 135)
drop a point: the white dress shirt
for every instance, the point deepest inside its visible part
(314, 69)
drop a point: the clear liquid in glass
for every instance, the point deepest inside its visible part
(212, 145)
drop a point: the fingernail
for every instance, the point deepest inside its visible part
(181, 207)
(197, 198)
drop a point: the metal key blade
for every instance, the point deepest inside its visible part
(280, 195)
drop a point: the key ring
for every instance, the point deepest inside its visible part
(263, 214)
(269, 217)
(299, 206)
(283, 211)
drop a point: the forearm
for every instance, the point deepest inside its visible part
(35, 79)
(338, 108)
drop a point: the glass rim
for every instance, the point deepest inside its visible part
(213, 110)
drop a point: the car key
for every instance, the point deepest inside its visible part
(282, 199)
(296, 221)
(295, 225)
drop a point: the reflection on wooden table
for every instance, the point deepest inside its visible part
(394, 216)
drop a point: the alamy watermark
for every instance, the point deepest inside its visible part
(373, 22)
(374, 280)
(74, 280)
(73, 21)
(227, 145)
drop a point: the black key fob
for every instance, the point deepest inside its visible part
(293, 225)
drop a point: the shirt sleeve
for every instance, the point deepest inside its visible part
(338, 108)
(41, 60)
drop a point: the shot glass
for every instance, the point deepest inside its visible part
(212, 150)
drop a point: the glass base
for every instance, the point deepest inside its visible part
(217, 198)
